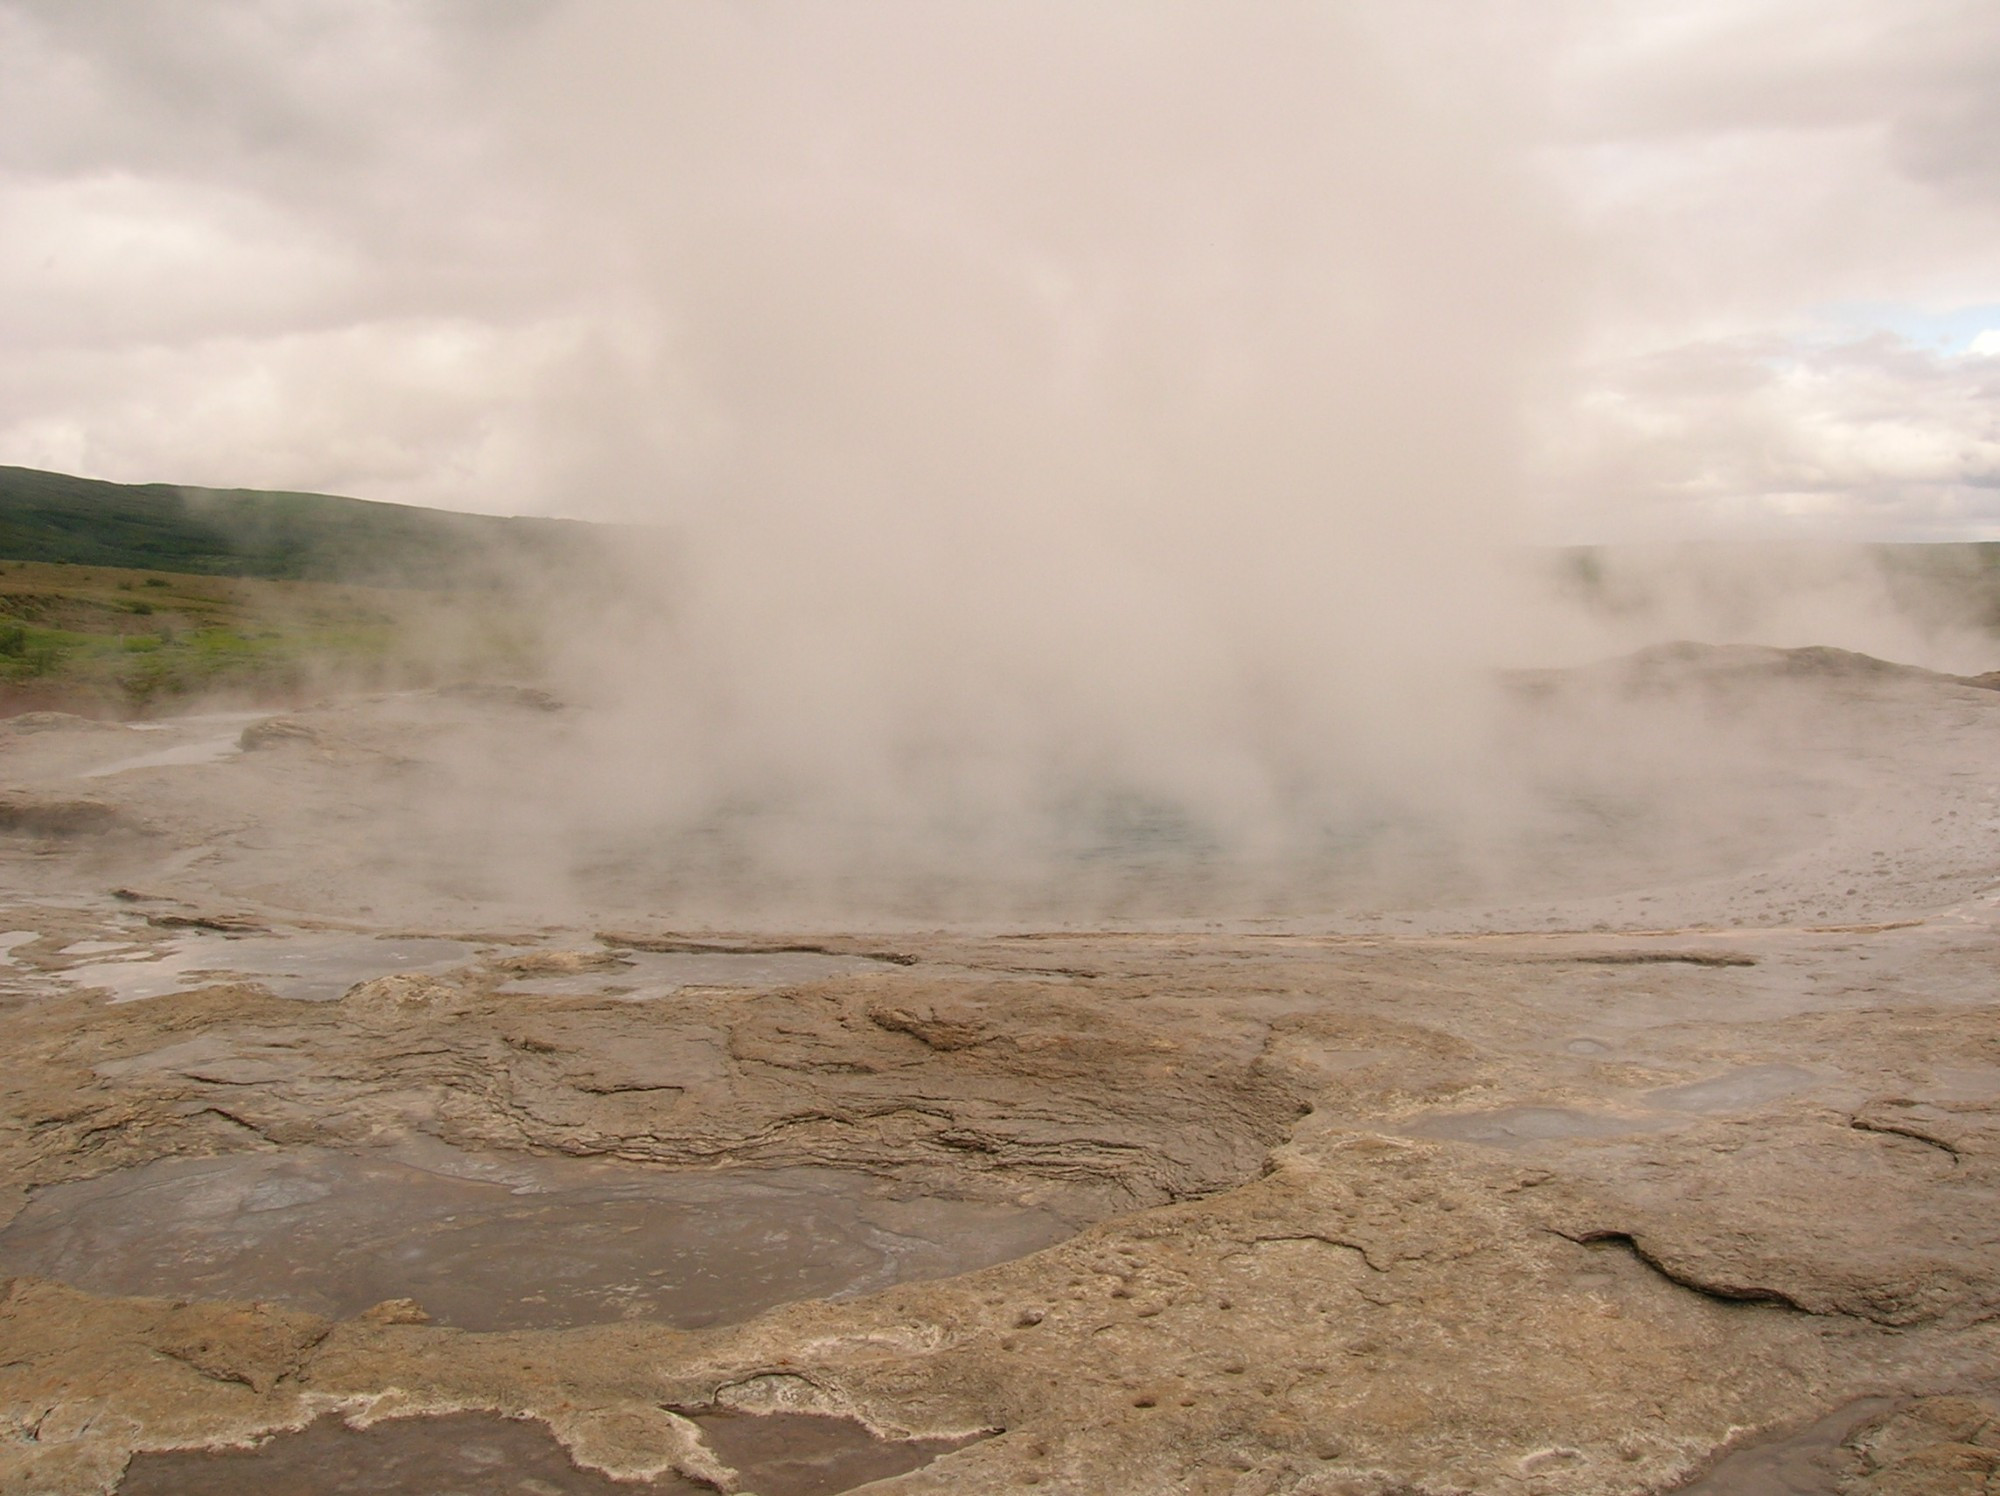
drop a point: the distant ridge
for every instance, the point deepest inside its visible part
(241, 532)
(1942, 585)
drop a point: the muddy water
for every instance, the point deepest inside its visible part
(640, 975)
(318, 967)
(1750, 1086)
(465, 1453)
(1737, 1090)
(1798, 1463)
(492, 1242)
(309, 967)
(777, 1454)
(1522, 1125)
(207, 739)
(807, 1454)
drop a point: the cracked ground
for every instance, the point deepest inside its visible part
(1597, 1189)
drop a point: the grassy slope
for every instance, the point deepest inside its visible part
(121, 599)
(248, 533)
(119, 642)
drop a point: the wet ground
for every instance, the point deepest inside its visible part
(504, 1242)
(466, 1454)
(1632, 1181)
(145, 960)
(203, 739)
(800, 1454)
(1644, 1111)
(639, 976)
(477, 1454)
(307, 966)
(1794, 1462)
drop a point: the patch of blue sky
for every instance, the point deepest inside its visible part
(1949, 330)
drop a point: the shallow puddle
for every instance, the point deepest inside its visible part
(1949, 1082)
(209, 751)
(100, 948)
(498, 1242)
(208, 739)
(1516, 1126)
(309, 967)
(643, 975)
(1522, 1126)
(1799, 1463)
(318, 967)
(809, 1454)
(775, 1454)
(477, 1454)
(1751, 1086)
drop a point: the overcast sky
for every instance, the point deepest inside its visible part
(1664, 267)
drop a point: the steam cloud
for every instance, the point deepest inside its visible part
(1079, 452)
(1075, 428)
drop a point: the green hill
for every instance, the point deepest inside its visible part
(253, 533)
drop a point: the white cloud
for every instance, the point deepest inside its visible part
(422, 410)
(1872, 439)
(1985, 344)
(112, 258)
(755, 229)
(1743, 164)
(270, 244)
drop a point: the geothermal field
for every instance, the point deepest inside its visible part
(348, 1147)
(1143, 748)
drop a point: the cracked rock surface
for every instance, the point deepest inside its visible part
(1472, 1202)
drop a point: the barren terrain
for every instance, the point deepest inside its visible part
(1663, 1122)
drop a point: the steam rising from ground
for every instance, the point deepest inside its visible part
(1074, 426)
(1078, 455)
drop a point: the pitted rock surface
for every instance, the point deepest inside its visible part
(1686, 1143)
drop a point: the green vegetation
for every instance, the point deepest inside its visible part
(123, 599)
(74, 637)
(249, 533)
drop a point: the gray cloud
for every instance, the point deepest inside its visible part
(1067, 419)
(594, 254)
(270, 244)
(1874, 438)
(1750, 171)
(1053, 404)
